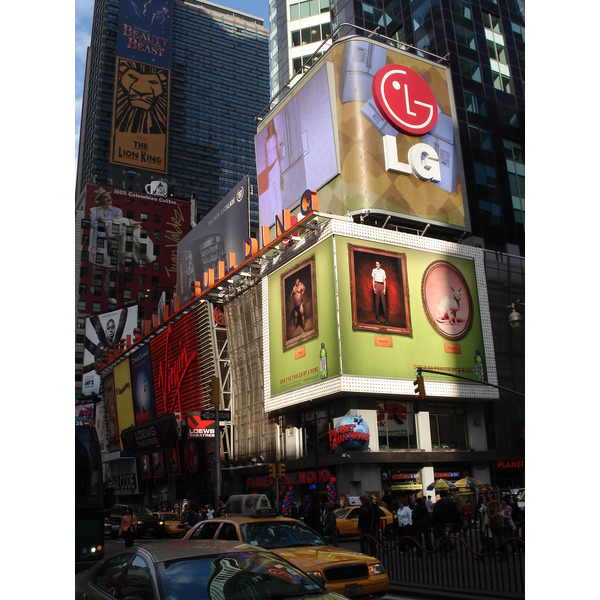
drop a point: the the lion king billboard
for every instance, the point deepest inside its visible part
(141, 100)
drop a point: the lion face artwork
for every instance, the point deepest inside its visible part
(141, 103)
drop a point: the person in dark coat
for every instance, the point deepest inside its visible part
(368, 524)
(445, 518)
(330, 524)
(312, 514)
(421, 526)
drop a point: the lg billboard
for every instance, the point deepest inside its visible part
(369, 128)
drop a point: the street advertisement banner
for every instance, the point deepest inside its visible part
(296, 150)
(142, 386)
(124, 397)
(401, 308)
(140, 116)
(442, 297)
(123, 227)
(176, 367)
(112, 420)
(303, 340)
(144, 32)
(103, 333)
(381, 126)
(221, 232)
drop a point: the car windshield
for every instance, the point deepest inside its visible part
(340, 513)
(252, 576)
(169, 517)
(279, 534)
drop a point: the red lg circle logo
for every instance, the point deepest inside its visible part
(405, 100)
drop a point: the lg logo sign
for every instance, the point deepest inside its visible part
(407, 103)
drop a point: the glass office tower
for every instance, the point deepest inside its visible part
(484, 43)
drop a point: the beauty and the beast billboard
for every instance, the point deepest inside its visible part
(368, 128)
(142, 75)
(360, 312)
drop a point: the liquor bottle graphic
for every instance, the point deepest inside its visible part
(323, 361)
(478, 366)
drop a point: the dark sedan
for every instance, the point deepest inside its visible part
(197, 570)
(147, 523)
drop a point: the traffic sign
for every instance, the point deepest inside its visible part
(210, 415)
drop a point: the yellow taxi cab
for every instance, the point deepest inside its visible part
(346, 519)
(341, 570)
(170, 523)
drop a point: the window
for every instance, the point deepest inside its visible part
(96, 307)
(515, 165)
(108, 576)
(475, 103)
(465, 37)
(462, 7)
(156, 235)
(480, 138)
(485, 175)
(396, 426)
(137, 580)
(448, 426)
(470, 69)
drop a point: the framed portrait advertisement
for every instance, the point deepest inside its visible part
(447, 300)
(379, 290)
(158, 466)
(299, 318)
(145, 466)
(173, 465)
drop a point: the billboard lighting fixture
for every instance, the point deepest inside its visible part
(245, 274)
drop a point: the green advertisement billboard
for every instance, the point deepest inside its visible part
(379, 310)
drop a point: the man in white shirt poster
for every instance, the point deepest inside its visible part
(380, 291)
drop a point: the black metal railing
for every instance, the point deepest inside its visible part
(466, 563)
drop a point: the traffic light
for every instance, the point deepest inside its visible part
(420, 387)
(273, 471)
(281, 470)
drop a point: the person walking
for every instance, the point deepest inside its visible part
(405, 521)
(312, 516)
(445, 518)
(467, 514)
(220, 506)
(420, 526)
(330, 524)
(508, 525)
(493, 513)
(194, 515)
(366, 525)
(127, 529)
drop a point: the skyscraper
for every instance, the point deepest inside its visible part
(484, 43)
(168, 123)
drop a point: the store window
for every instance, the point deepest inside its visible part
(448, 424)
(396, 426)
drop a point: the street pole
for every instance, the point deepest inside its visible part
(216, 398)
(499, 387)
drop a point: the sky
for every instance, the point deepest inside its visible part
(84, 11)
